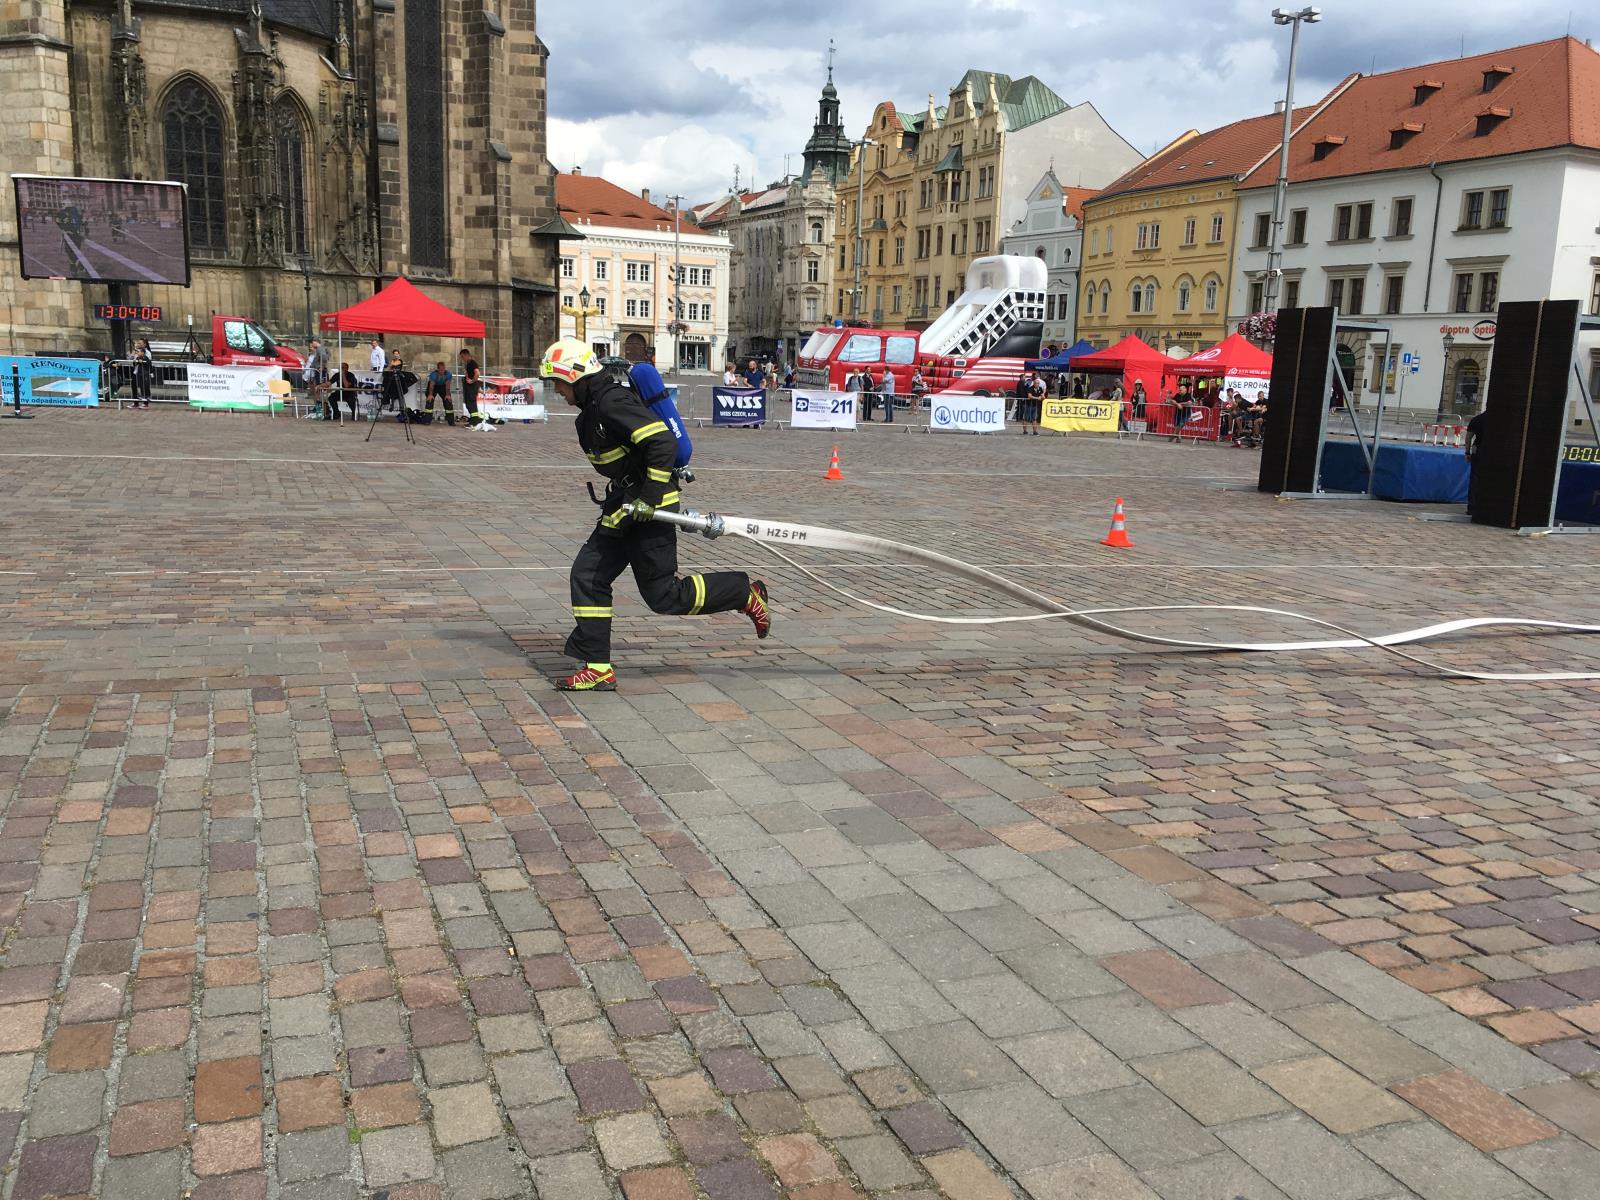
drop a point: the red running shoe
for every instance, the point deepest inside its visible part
(591, 679)
(756, 608)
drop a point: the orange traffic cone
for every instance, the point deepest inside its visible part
(833, 467)
(1118, 536)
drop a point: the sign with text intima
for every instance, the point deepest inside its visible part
(824, 410)
(738, 406)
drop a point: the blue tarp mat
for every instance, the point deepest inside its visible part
(1431, 473)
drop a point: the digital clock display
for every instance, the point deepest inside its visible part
(127, 312)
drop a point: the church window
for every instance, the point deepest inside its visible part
(291, 181)
(191, 127)
(426, 162)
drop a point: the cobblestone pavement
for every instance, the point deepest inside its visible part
(312, 887)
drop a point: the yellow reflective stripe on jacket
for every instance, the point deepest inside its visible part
(668, 498)
(590, 611)
(657, 475)
(612, 520)
(699, 594)
(650, 430)
(609, 456)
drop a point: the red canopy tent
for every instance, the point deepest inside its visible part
(1233, 357)
(401, 308)
(1134, 359)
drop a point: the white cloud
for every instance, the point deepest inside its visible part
(684, 92)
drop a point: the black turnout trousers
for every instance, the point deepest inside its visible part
(651, 549)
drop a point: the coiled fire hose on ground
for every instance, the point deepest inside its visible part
(772, 534)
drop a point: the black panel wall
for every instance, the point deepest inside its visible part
(1299, 400)
(1518, 455)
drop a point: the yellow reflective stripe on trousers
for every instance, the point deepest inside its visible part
(609, 456)
(657, 475)
(699, 594)
(612, 520)
(649, 430)
(590, 611)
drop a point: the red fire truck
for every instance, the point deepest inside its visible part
(977, 346)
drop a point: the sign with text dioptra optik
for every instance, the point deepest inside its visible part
(738, 406)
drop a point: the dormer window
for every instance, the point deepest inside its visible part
(1325, 145)
(1495, 76)
(1489, 120)
(1403, 133)
(1423, 90)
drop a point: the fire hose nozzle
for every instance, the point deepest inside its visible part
(708, 525)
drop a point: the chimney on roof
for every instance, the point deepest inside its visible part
(577, 170)
(1277, 108)
(644, 194)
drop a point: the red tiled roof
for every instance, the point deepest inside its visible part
(1551, 93)
(588, 198)
(1073, 198)
(1223, 153)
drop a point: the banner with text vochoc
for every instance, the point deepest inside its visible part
(823, 410)
(972, 414)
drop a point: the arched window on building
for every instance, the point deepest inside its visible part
(1149, 297)
(290, 185)
(1185, 293)
(1136, 299)
(192, 131)
(1088, 301)
(1105, 298)
(1211, 293)
(816, 232)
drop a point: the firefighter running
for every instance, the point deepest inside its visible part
(628, 444)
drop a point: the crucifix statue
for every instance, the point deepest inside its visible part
(581, 313)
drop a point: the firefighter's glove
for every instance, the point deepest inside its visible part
(640, 511)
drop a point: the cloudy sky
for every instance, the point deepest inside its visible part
(674, 95)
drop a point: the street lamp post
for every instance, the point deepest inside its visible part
(305, 272)
(581, 313)
(861, 203)
(1444, 376)
(1280, 195)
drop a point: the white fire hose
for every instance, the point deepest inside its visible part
(772, 534)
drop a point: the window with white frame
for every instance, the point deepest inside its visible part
(813, 270)
(816, 232)
(568, 268)
(638, 272)
(1094, 241)
(811, 308)
(1216, 227)
(568, 302)
(630, 307)
(1109, 231)
(1185, 287)
(644, 308)
(1189, 232)
(1136, 299)
(1088, 297)
(1488, 291)
(1211, 294)
(1149, 297)
(600, 305)
(1263, 232)
(1297, 227)
(1257, 295)
(602, 268)
(1105, 298)
(1149, 236)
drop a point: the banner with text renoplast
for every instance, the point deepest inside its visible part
(971, 414)
(823, 410)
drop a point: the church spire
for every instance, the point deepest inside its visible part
(829, 147)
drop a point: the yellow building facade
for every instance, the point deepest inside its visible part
(941, 187)
(884, 197)
(1159, 243)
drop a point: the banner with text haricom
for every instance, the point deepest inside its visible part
(738, 406)
(1081, 416)
(968, 414)
(823, 410)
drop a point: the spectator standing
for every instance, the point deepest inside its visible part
(753, 374)
(729, 377)
(378, 359)
(315, 375)
(470, 380)
(888, 389)
(1138, 400)
(1033, 405)
(143, 373)
(919, 389)
(438, 388)
(1019, 397)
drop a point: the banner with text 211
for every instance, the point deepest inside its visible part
(824, 410)
(738, 406)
